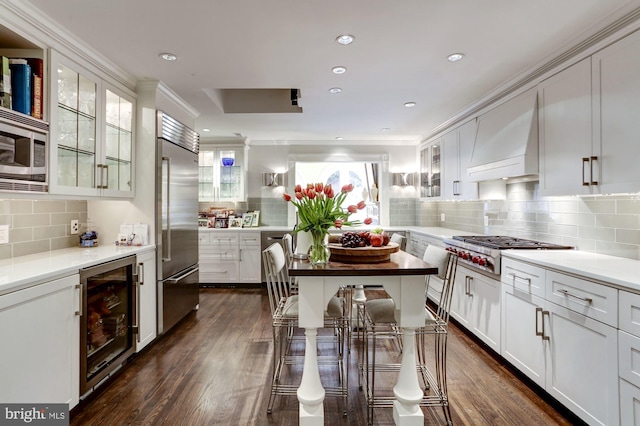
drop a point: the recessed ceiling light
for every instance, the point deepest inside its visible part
(335, 90)
(455, 57)
(345, 39)
(206, 130)
(339, 70)
(409, 104)
(339, 138)
(168, 56)
(385, 129)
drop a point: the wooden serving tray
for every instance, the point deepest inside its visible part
(367, 254)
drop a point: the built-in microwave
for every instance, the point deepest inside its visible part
(23, 157)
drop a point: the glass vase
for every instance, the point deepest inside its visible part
(319, 252)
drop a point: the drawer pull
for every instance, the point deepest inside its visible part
(566, 293)
(514, 276)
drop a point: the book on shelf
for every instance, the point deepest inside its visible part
(21, 90)
(5, 83)
(37, 81)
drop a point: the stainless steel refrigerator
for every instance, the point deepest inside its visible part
(176, 221)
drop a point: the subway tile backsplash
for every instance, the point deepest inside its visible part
(603, 224)
(37, 226)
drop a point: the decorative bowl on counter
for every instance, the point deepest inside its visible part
(366, 254)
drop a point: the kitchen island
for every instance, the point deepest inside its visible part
(403, 277)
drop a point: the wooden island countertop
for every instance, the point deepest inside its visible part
(400, 263)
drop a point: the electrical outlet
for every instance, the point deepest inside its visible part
(441, 217)
(74, 226)
(4, 234)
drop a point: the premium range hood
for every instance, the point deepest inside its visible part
(506, 143)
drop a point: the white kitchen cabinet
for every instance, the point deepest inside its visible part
(146, 297)
(582, 364)
(629, 404)
(222, 173)
(40, 356)
(218, 256)
(522, 344)
(629, 357)
(250, 258)
(476, 305)
(616, 108)
(229, 257)
(417, 244)
(91, 135)
(567, 352)
(457, 146)
(564, 114)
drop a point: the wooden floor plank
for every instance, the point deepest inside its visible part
(214, 367)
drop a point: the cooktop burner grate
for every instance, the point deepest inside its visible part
(500, 242)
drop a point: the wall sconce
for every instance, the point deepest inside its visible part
(403, 179)
(272, 179)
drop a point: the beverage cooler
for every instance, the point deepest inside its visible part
(107, 319)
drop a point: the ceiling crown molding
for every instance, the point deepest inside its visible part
(34, 24)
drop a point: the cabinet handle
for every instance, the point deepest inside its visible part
(456, 187)
(101, 168)
(135, 328)
(584, 161)
(467, 285)
(543, 335)
(566, 293)
(141, 273)
(593, 159)
(240, 255)
(514, 276)
(80, 311)
(539, 333)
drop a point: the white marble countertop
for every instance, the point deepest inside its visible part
(26, 271)
(611, 270)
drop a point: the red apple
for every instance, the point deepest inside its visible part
(386, 238)
(376, 240)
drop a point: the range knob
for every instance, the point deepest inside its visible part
(483, 261)
(475, 259)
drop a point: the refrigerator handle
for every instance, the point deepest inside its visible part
(167, 243)
(186, 274)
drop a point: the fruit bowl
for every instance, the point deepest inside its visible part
(366, 254)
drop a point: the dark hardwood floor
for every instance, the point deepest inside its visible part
(213, 368)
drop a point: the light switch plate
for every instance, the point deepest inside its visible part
(486, 221)
(4, 234)
(441, 217)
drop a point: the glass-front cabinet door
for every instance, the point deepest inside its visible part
(221, 176)
(430, 170)
(92, 133)
(118, 142)
(76, 129)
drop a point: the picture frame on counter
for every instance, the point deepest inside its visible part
(247, 220)
(221, 222)
(256, 218)
(235, 222)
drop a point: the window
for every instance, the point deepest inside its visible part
(363, 176)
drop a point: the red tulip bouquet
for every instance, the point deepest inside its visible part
(319, 208)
